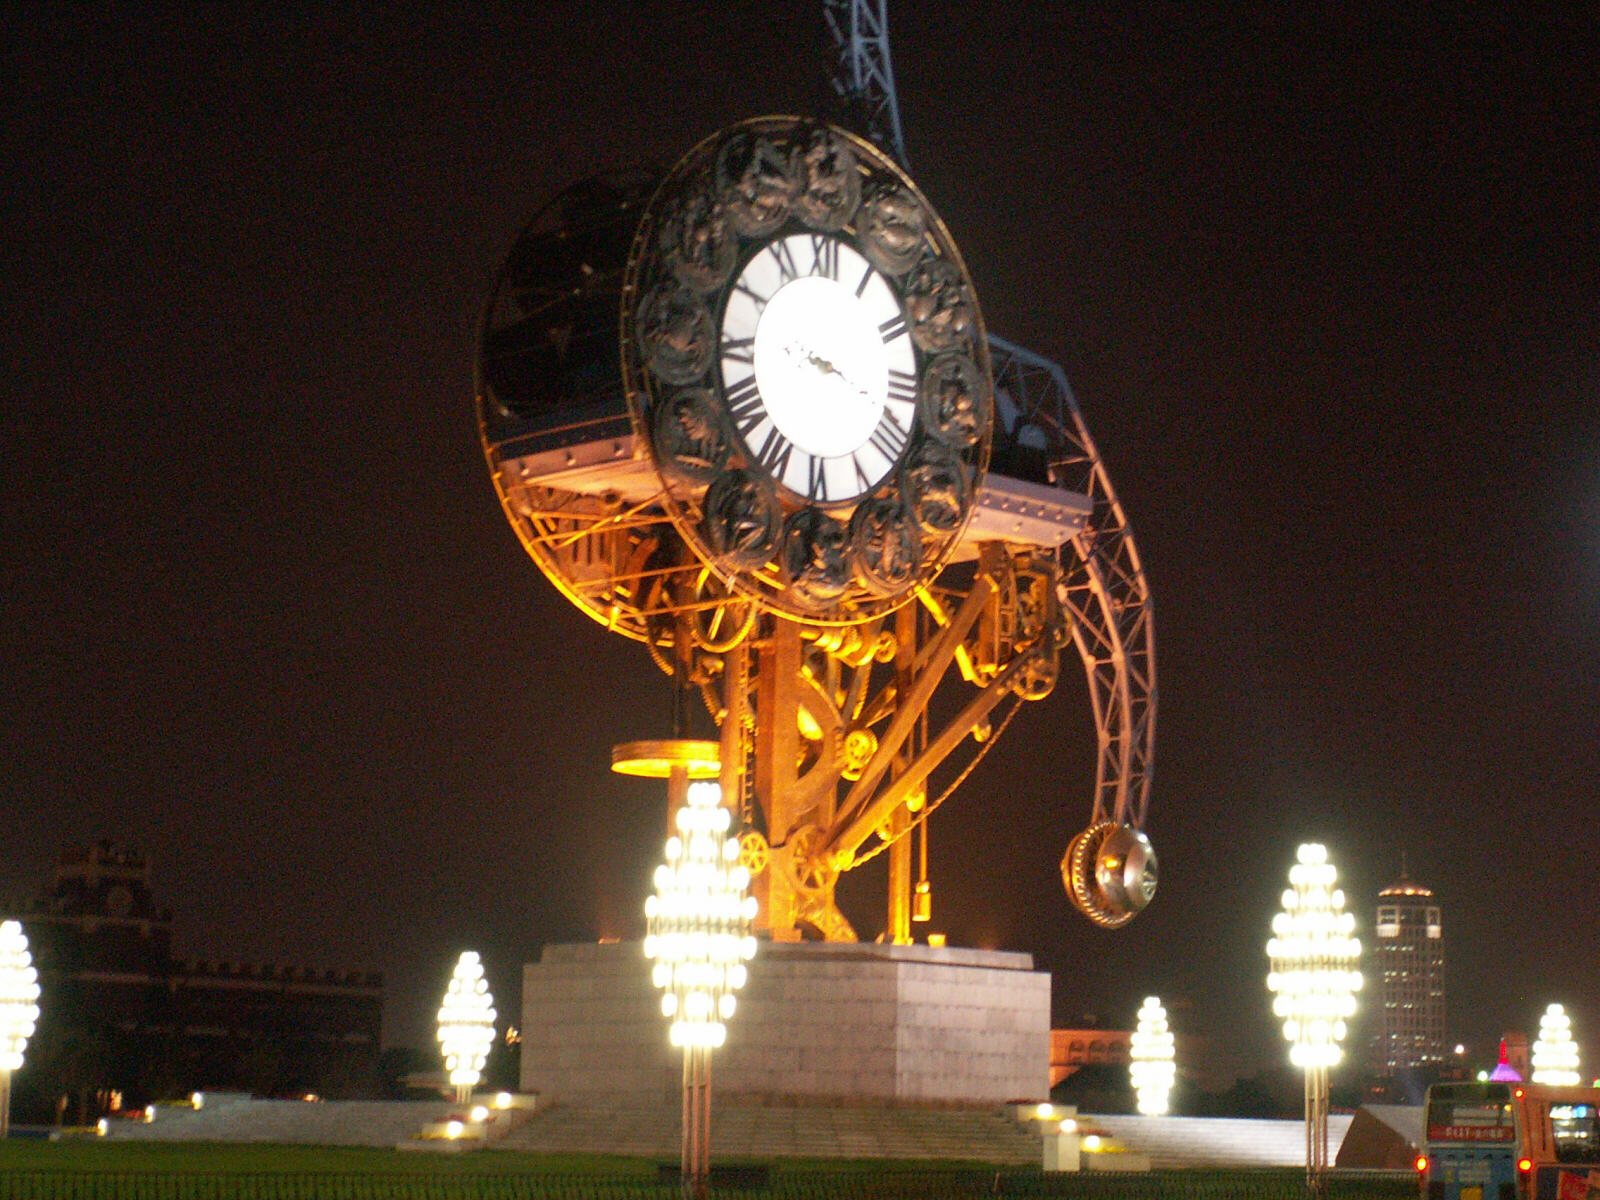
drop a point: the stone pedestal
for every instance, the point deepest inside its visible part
(817, 1022)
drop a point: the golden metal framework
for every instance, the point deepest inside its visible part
(826, 735)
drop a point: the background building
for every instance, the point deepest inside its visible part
(120, 1017)
(1408, 970)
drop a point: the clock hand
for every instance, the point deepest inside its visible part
(824, 366)
(796, 350)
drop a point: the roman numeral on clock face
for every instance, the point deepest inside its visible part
(894, 328)
(744, 405)
(890, 437)
(783, 254)
(816, 480)
(756, 298)
(774, 453)
(824, 257)
(882, 450)
(902, 386)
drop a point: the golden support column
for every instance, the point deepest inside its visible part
(777, 762)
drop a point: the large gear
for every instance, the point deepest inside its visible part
(1109, 871)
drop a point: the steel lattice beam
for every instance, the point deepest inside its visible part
(1103, 588)
(863, 77)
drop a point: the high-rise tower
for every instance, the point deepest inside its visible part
(1409, 967)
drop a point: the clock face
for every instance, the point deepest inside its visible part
(804, 358)
(818, 368)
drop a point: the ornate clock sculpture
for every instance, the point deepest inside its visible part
(772, 470)
(804, 357)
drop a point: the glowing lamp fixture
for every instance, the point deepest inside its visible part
(1314, 981)
(699, 932)
(466, 1024)
(19, 995)
(1152, 1068)
(1314, 955)
(1555, 1054)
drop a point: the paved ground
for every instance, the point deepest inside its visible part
(227, 1118)
(740, 1131)
(787, 1132)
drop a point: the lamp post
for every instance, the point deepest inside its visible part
(1314, 979)
(1555, 1054)
(19, 1010)
(1152, 1068)
(699, 938)
(466, 1025)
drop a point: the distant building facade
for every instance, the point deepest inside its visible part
(1408, 969)
(120, 1013)
(1073, 1049)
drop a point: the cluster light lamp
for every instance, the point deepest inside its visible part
(699, 922)
(1555, 1054)
(699, 941)
(19, 1009)
(1314, 978)
(1152, 1067)
(466, 1025)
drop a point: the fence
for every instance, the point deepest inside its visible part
(790, 1184)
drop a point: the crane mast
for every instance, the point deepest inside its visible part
(863, 78)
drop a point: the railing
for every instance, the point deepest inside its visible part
(852, 1183)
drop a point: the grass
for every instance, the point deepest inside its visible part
(93, 1155)
(39, 1170)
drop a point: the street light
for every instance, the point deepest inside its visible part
(466, 1025)
(1314, 980)
(19, 1010)
(699, 939)
(1152, 1069)
(1555, 1054)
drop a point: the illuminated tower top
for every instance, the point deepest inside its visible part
(1408, 947)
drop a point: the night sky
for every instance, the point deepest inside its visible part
(1325, 279)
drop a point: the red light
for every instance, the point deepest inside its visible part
(1524, 1165)
(1519, 1093)
(1422, 1164)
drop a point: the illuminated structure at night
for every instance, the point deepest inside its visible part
(1408, 967)
(747, 413)
(1153, 1069)
(699, 943)
(1314, 980)
(466, 1025)
(1555, 1054)
(19, 1009)
(817, 491)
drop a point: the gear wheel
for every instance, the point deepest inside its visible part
(1109, 871)
(754, 853)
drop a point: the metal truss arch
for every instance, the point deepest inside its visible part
(1103, 589)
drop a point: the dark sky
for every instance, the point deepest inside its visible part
(1326, 281)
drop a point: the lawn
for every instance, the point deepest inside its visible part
(94, 1169)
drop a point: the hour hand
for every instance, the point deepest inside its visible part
(822, 364)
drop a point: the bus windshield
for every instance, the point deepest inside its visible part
(1466, 1112)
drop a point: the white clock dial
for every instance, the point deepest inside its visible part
(818, 368)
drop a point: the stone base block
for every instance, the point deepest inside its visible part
(817, 1022)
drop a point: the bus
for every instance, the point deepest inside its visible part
(1510, 1141)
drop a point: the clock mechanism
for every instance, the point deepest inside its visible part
(804, 356)
(747, 413)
